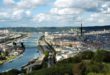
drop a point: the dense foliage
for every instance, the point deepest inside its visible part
(85, 63)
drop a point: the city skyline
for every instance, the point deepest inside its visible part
(51, 13)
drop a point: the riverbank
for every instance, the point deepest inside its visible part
(23, 36)
(10, 58)
(44, 59)
(48, 50)
(31, 52)
(37, 62)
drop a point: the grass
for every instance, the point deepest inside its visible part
(102, 73)
(10, 58)
(1, 62)
(7, 59)
(96, 74)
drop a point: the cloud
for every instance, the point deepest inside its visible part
(62, 13)
(87, 5)
(58, 11)
(4, 16)
(98, 18)
(27, 4)
(104, 0)
(17, 14)
(66, 11)
(47, 19)
(28, 13)
(22, 8)
(41, 17)
(8, 2)
(64, 3)
(105, 8)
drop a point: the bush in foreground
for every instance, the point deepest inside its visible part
(55, 70)
(11, 72)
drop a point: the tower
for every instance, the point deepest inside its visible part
(81, 30)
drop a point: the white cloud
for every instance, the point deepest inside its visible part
(46, 17)
(98, 18)
(51, 19)
(79, 7)
(107, 11)
(42, 17)
(22, 8)
(17, 14)
(8, 2)
(24, 4)
(76, 3)
(28, 13)
(3, 14)
(65, 11)
(64, 3)
(86, 5)
(106, 8)
(62, 11)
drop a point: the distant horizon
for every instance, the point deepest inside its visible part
(53, 27)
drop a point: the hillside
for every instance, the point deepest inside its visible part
(54, 29)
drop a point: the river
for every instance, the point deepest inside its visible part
(31, 52)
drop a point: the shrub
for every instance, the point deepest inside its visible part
(46, 53)
(96, 67)
(86, 55)
(102, 56)
(55, 70)
(11, 72)
(75, 59)
(79, 69)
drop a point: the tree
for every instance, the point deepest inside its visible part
(87, 55)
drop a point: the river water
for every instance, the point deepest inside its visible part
(31, 52)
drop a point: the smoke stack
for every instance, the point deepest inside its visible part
(81, 30)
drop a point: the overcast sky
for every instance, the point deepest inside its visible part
(51, 13)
